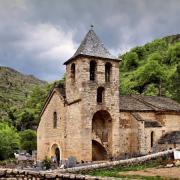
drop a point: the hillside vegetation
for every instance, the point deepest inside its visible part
(14, 89)
(21, 97)
(152, 69)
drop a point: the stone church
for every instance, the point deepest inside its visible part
(88, 118)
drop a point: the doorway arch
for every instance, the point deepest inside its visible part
(101, 130)
(56, 153)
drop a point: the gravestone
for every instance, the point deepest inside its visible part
(71, 161)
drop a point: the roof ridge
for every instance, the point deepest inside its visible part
(137, 116)
(140, 99)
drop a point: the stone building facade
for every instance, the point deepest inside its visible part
(88, 119)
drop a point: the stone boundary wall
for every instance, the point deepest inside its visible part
(70, 172)
(33, 175)
(120, 162)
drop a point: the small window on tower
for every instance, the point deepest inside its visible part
(108, 67)
(100, 94)
(55, 120)
(73, 71)
(92, 70)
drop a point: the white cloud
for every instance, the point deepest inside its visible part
(47, 41)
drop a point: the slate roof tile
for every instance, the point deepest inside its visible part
(172, 137)
(92, 46)
(148, 103)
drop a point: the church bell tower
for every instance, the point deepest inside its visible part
(92, 95)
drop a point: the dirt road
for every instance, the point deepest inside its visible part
(173, 172)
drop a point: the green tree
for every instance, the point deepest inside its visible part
(37, 96)
(127, 84)
(151, 72)
(155, 57)
(158, 45)
(9, 141)
(176, 84)
(28, 140)
(140, 51)
(130, 61)
(151, 90)
(173, 56)
(26, 119)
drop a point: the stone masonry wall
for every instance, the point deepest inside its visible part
(128, 134)
(136, 139)
(170, 122)
(74, 131)
(47, 136)
(86, 90)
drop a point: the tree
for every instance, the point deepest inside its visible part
(28, 140)
(155, 57)
(151, 90)
(151, 72)
(130, 61)
(158, 45)
(173, 54)
(176, 84)
(37, 96)
(140, 51)
(26, 119)
(9, 141)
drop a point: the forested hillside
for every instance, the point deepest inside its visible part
(152, 69)
(21, 97)
(14, 88)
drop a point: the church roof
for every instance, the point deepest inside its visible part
(148, 103)
(172, 137)
(92, 46)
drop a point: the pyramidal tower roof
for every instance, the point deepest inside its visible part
(92, 46)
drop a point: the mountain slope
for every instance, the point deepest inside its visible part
(152, 69)
(14, 88)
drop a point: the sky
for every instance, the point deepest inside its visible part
(37, 36)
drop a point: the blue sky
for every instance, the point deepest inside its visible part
(37, 36)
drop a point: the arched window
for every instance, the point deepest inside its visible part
(108, 67)
(152, 139)
(55, 119)
(92, 70)
(73, 71)
(100, 94)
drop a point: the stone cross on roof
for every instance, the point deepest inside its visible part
(92, 46)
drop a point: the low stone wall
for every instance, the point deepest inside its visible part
(71, 173)
(120, 162)
(23, 174)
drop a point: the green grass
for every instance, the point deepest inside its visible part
(114, 172)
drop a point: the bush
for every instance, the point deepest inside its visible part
(28, 140)
(9, 141)
(47, 162)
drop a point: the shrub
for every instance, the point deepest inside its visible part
(47, 162)
(9, 141)
(28, 140)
